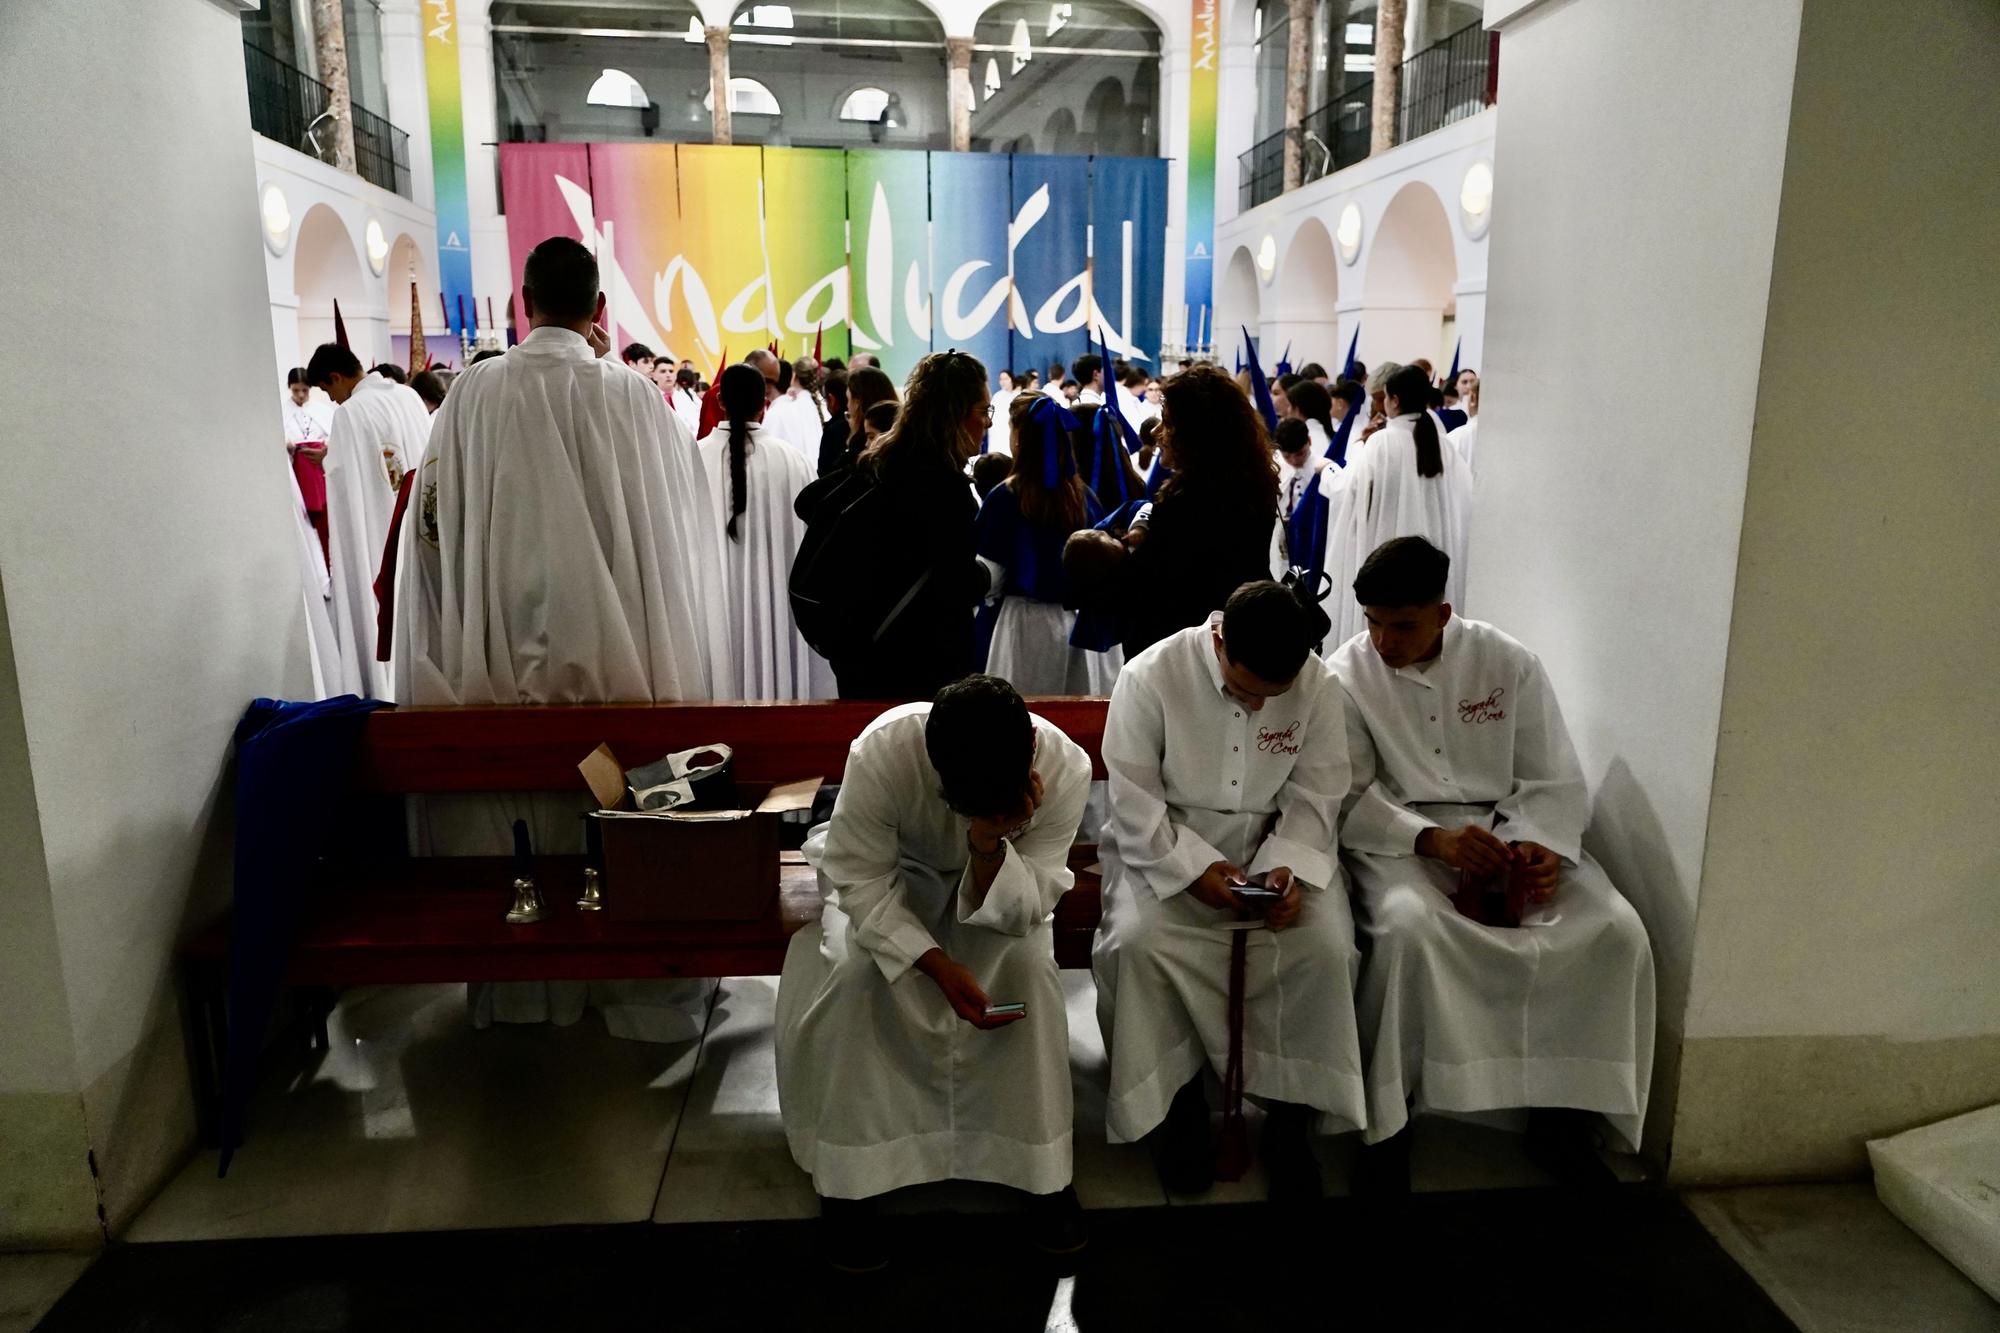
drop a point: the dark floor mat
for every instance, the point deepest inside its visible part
(1631, 1259)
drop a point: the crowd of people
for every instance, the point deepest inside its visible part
(1341, 831)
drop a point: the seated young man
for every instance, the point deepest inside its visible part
(1227, 756)
(948, 848)
(1465, 784)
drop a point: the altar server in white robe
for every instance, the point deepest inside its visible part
(1227, 756)
(797, 416)
(1462, 765)
(1407, 482)
(379, 433)
(948, 849)
(755, 479)
(561, 547)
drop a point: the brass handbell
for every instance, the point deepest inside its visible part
(593, 894)
(527, 907)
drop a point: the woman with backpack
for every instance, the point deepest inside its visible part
(1022, 528)
(886, 580)
(755, 478)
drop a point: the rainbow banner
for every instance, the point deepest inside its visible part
(705, 249)
(1199, 286)
(454, 210)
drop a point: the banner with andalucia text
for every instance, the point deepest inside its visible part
(707, 250)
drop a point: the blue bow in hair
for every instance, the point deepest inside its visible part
(1056, 423)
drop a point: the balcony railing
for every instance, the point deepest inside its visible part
(1447, 81)
(295, 110)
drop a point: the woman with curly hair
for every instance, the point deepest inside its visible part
(1212, 525)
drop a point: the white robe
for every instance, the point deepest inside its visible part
(322, 641)
(1466, 440)
(771, 658)
(1000, 435)
(561, 548)
(307, 424)
(1294, 483)
(378, 434)
(1257, 788)
(1321, 441)
(881, 1085)
(1454, 1014)
(1378, 496)
(798, 419)
(686, 404)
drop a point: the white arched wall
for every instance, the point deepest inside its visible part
(1238, 304)
(326, 267)
(405, 253)
(1304, 309)
(1407, 283)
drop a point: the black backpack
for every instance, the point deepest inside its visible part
(852, 577)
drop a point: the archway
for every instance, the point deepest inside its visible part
(1307, 295)
(1407, 286)
(1092, 63)
(326, 268)
(407, 263)
(813, 59)
(1237, 305)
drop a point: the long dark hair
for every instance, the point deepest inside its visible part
(1411, 388)
(742, 403)
(1314, 403)
(1061, 508)
(1217, 442)
(930, 428)
(866, 387)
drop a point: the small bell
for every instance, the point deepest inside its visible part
(527, 907)
(593, 895)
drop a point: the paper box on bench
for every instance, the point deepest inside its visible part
(692, 865)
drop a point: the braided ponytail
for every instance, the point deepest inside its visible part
(742, 404)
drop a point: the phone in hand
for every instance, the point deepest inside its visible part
(1256, 889)
(1005, 1010)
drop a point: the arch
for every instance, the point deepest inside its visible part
(614, 87)
(1309, 272)
(326, 267)
(1237, 302)
(747, 97)
(405, 255)
(1099, 60)
(864, 104)
(1411, 269)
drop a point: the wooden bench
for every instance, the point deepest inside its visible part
(416, 920)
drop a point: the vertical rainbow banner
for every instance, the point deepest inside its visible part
(454, 210)
(808, 265)
(889, 255)
(1200, 283)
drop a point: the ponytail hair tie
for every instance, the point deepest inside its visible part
(1310, 588)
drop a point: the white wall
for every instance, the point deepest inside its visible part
(152, 588)
(1637, 175)
(1847, 952)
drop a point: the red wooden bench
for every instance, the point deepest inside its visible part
(418, 920)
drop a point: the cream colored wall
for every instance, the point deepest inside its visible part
(1636, 198)
(146, 538)
(1847, 952)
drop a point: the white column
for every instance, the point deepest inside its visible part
(492, 271)
(1471, 299)
(1236, 109)
(409, 98)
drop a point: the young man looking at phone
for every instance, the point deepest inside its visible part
(1227, 755)
(902, 1058)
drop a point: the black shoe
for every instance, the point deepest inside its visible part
(1057, 1222)
(1382, 1170)
(1562, 1142)
(1186, 1152)
(1289, 1164)
(851, 1235)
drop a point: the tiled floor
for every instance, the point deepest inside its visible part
(1836, 1261)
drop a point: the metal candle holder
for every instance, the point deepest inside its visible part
(593, 894)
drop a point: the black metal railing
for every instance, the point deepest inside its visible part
(294, 109)
(1446, 81)
(1260, 173)
(1336, 135)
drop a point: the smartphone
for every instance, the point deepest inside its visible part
(1003, 1010)
(1257, 889)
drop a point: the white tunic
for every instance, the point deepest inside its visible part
(308, 423)
(797, 418)
(561, 548)
(1257, 788)
(1458, 1015)
(1378, 496)
(378, 434)
(1295, 482)
(772, 660)
(1321, 441)
(880, 1083)
(686, 404)
(1466, 439)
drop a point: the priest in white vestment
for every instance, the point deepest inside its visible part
(561, 548)
(1227, 756)
(379, 433)
(755, 480)
(1407, 482)
(948, 849)
(1462, 765)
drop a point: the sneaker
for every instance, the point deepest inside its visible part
(1057, 1222)
(1289, 1165)
(1186, 1152)
(852, 1236)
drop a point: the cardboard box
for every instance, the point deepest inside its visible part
(707, 865)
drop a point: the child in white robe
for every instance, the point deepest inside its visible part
(1462, 766)
(1227, 756)
(948, 849)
